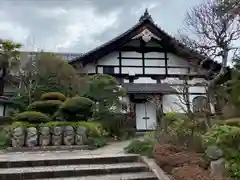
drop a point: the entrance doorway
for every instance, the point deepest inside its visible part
(146, 118)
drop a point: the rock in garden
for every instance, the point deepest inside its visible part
(214, 152)
(45, 136)
(217, 168)
(81, 135)
(57, 136)
(18, 137)
(68, 136)
(32, 137)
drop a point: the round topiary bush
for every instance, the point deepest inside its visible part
(76, 109)
(32, 117)
(53, 96)
(48, 107)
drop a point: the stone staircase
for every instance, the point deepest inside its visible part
(90, 167)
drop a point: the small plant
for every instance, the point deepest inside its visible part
(227, 138)
(232, 122)
(97, 142)
(32, 117)
(4, 140)
(144, 148)
(53, 96)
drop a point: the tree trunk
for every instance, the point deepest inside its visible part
(2, 81)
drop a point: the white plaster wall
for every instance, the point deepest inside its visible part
(154, 55)
(145, 80)
(172, 81)
(172, 103)
(197, 89)
(1, 110)
(155, 71)
(132, 54)
(174, 60)
(132, 70)
(197, 80)
(154, 62)
(9, 88)
(177, 71)
(90, 68)
(111, 59)
(126, 100)
(132, 62)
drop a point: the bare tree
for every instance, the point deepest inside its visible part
(212, 30)
(183, 100)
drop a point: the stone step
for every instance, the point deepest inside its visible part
(66, 160)
(48, 148)
(125, 176)
(70, 171)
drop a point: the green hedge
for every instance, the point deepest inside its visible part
(32, 117)
(75, 109)
(231, 122)
(94, 129)
(48, 106)
(227, 138)
(53, 96)
(144, 148)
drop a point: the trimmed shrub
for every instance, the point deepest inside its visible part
(223, 136)
(75, 109)
(53, 96)
(227, 138)
(97, 142)
(22, 124)
(48, 106)
(113, 123)
(144, 148)
(4, 120)
(4, 140)
(232, 122)
(32, 117)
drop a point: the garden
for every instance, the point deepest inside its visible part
(56, 106)
(187, 150)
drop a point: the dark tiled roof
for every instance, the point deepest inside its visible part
(5, 100)
(148, 88)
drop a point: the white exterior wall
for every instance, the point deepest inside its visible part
(174, 60)
(154, 62)
(172, 103)
(90, 68)
(1, 109)
(145, 80)
(111, 59)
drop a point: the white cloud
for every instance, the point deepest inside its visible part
(83, 26)
(13, 31)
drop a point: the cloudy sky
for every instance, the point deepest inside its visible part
(80, 25)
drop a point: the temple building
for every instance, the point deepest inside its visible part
(152, 65)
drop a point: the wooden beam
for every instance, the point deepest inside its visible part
(141, 49)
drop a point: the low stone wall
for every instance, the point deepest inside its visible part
(46, 136)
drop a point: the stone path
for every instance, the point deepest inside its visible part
(111, 149)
